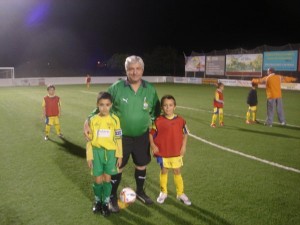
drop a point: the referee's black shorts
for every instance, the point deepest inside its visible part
(138, 148)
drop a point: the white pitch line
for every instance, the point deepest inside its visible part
(89, 92)
(245, 155)
(237, 116)
(225, 148)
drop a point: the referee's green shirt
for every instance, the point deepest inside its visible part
(135, 110)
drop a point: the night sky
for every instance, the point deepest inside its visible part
(96, 29)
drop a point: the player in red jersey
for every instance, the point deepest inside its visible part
(218, 106)
(168, 139)
(88, 80)
(51, 111)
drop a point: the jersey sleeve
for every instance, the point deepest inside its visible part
(118, 139)
(89, 151)
(249, 97)
(155, 111)
(112, 90)
(285, 79)
(153, 130)
(259, 80)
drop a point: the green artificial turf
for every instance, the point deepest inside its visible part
(48, 182)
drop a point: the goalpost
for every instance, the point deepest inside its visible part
(7, 74)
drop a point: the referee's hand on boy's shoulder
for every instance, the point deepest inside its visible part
(87, 131)
(154, 148)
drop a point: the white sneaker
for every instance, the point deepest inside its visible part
(184, 199)
(46, 138)
(161, 198)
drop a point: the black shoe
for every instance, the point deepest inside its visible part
(144, 198)
(105, 210)
(97, 207)
(114, 207)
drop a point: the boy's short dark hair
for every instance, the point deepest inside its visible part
(50, 86)
(104, 95)
(167, 97)
(219, 84)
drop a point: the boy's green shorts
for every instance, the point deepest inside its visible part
(104, 162)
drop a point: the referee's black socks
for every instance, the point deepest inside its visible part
(115, 181)
(140, 177)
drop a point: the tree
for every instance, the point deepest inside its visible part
(116, 62)
(162, 61)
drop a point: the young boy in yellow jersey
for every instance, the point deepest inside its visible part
(218, 106)
(51, 111)
(104, 151)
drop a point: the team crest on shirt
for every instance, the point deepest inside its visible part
(109, 125)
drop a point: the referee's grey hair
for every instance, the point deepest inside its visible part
(134, 59)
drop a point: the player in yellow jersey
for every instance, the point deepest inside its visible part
(104, 151)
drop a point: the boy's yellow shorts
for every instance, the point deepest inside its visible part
(171, 162)
(252, 108)
(52, 120)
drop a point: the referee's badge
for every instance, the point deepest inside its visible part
(145, 106)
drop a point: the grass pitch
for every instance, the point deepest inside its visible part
(48, 182)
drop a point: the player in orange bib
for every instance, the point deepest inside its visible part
(51, 111)
(168, 139)
(218, 106)
(88, 80)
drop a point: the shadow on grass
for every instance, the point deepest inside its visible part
(269, 133)
(70, 147)
(132, 215)
(74, 170)
(291, 127)
(194, 212)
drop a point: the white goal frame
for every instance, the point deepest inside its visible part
(7, 73)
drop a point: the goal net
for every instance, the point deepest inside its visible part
(7, 73)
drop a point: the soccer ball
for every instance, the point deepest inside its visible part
(127, 195)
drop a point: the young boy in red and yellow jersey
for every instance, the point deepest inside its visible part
(218, 106)
(168, 139)
(51, 111)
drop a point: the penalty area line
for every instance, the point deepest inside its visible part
(245, 155)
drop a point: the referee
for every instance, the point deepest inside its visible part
(136, 103)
